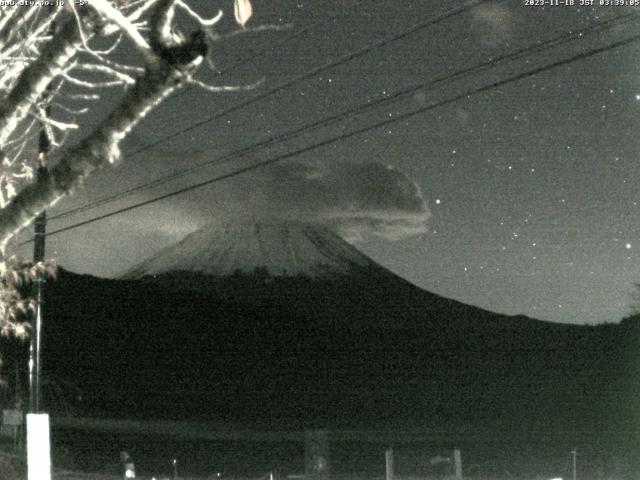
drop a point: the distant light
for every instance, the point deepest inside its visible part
(628, 246)
(438, 201)
(637, 96)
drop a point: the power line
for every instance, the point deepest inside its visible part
(405, 116)
(468, 5)
(342, 60)
(483, 66)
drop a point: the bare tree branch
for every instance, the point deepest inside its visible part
(41, 67)
(204, 22)
(34, 79)
(224, 88)
(19, 21)
(109, 11)
(173, 64)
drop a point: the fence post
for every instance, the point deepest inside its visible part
(38, 447)
(457, 462)
(316, 454)
(388, 457)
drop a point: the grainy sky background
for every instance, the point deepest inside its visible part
(530, 188)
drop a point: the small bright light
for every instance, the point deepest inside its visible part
(637, 96)
(20, 330)
(628, 246)
(437, 201)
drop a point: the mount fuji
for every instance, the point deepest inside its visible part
(281, 249)
(285, 321)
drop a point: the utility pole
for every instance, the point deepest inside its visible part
(574, 453)
(38, 430)
(35, 368)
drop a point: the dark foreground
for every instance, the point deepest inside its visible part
(353, 454)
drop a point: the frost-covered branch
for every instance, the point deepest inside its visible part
(172, 64)
(224, 88)
(210, 22)
(109, 11)
(15, 21)
(34, 79)
(54, 65)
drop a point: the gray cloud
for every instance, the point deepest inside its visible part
(354, 199)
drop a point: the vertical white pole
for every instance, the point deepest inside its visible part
(388, 456)
(38, 448)
(457, 459)
(574, 452)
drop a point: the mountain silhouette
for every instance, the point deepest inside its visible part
(289, 324)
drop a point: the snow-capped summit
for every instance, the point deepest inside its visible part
(283, 248)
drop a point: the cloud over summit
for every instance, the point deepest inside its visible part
(355, 199)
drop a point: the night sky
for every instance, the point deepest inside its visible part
(529, 190)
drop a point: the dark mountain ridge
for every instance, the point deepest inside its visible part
(354, 346)
(159, 347)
